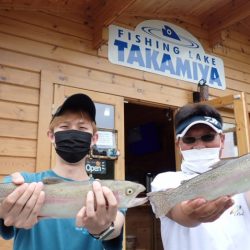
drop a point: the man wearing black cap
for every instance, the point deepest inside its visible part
(72, 131)
(199, 224)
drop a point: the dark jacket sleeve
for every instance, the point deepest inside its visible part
(6, 232)
(116, 243)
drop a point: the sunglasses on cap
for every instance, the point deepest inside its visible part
(192, 139)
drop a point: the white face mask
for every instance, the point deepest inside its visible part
(197, 161)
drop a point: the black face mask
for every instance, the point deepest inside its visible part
(72, 145)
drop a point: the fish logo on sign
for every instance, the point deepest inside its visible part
(163, 48)
(169, 35)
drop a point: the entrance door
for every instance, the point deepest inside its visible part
(53, 93)
(52, 96)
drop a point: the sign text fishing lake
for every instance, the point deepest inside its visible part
(166, 49)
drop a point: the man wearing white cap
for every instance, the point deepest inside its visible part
(221, 224)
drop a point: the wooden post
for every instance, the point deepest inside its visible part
(242, 124)
(241, 118)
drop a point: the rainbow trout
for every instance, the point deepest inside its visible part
(63, 199)
(227, 177)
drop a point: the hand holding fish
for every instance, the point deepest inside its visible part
(227, 177)
(21, 207)
(193, 212)
(64, 199)
(100, 211)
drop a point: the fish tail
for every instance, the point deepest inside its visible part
(162, 202)
(6, 189)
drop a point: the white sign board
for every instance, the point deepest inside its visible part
(106, 139)
(166, 49)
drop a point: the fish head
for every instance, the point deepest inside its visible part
(126, 193)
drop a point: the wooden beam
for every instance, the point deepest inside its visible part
(56, 9)
(222, 101)
(242, 125)
(241, 116)
(243, 27)
(43, 154)
(227, 16)
(217, 38)
(175, 16)
(105, 15)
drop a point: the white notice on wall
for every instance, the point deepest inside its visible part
(105, 139)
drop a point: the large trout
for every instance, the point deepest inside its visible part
(228, 177)
(63, 199)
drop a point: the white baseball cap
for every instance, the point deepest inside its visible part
(212, 122)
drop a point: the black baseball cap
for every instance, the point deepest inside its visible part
(77, 102)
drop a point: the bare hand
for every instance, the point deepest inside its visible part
(21, 207)
(201, 210)
(100, 211)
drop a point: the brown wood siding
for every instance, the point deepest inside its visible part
(33, 41)
(19, 98)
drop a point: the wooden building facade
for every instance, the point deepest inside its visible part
(51, 49)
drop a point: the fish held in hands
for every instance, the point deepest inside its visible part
(63, 199)
(227, 177)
